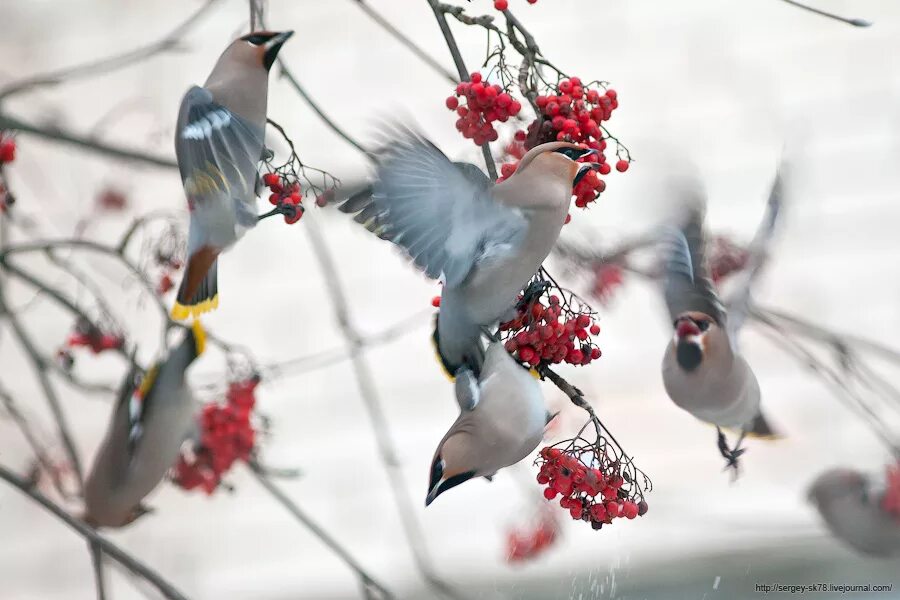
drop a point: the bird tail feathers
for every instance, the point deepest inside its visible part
(198, 293)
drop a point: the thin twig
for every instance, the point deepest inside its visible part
(437, 8)
(367, 580)
(401, 37)
(54, 133)
(366, 385)
(107, 65)
(854, 22)
(113, 551)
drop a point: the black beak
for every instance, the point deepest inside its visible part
(273, 46)
(583, 170)
(439, 485)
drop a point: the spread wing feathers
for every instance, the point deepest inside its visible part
(217, 150)
(739, 301)
(687, 284)
(443, 214)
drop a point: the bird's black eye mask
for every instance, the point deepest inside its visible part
(574, 153)
(258, 39)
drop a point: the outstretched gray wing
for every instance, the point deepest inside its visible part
(217, 150)
(687, 283)
(739, 301)
(441, 213)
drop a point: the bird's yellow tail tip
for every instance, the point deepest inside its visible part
(180, 311)
(199, 336)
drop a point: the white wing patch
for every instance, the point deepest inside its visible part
(203, 128)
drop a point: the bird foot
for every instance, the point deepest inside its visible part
(731, 455)
(290, 212)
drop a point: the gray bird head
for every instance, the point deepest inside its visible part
(558, 159)
(696, 333)
(453, 464)
(257, 49)
(836, 484)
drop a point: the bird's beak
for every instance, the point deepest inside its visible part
(589, 152)
(273, 46)
(583, 169)
(440, 484)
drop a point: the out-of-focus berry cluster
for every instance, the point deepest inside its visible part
(529, 542)
(7, 155)
(725, 258)
(227, 434)
(890, 501)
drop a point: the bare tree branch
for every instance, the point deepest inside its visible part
(854, 22)
(107, 65)
(365, 578)
(401, 37)
(438, 10)
(53, 133)
(113, 551)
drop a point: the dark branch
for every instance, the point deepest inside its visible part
(113, 551)
(53, 133)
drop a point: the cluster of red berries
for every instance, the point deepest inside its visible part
(169, 265)
(529, 543)
(226, 436)
(590, 494)
(890, 501)
(484, 104)
(7, 148)
(285, 195)
(607, 279)
(725, 258)
(86, 334)
(573, 113)
(550, 333)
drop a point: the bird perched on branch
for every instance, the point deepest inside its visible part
(219, 141)
(501, 421)
(484, 240)
(703, 369)
(149, 423)
(852, 510)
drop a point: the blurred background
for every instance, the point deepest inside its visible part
(720, 86)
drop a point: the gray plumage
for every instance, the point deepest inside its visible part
(852, 511)
(219, 141)
(485, 241)
(143, 439)
(703, 369)
(501, 421)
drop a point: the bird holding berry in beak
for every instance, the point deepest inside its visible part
(485, 241)
(854, 511)
(219, 141)
(149, 423)
(501, 421)
(703, 369)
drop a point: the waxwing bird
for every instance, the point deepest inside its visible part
(484, 240)
(149, 424)
(219, 141)
(852, 510)
(501, 421)
(703, 369)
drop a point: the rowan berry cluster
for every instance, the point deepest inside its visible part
(551, 326)
(890, 501)
(286, 194)
(725, 258)
(608, 277)
(88, 335)
(589, 485)
(504, 4)
(227, 435)
(7, 148)
(483, 105)
(530, 542)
